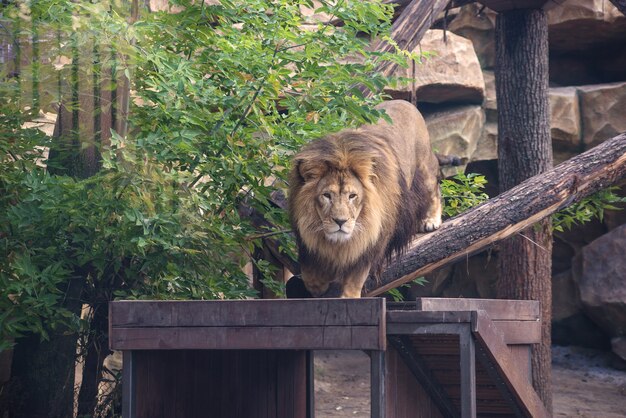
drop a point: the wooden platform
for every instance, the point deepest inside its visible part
(237, 359)
(253, 358)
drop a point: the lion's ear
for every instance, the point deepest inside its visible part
(309, 169)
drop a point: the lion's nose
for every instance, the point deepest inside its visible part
(339, 221)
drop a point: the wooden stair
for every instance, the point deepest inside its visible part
(439, 341)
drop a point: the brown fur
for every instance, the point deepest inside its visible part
(358, 196)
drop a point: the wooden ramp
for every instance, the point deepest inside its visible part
(462, 358)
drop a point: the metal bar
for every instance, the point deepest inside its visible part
(377, 383)
(468, 374)
(129, 403)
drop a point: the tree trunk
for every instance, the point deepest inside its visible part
(525, 150)
(42, 372)
(97, 350)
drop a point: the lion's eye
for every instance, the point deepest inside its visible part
(326, 195)
(352, 196)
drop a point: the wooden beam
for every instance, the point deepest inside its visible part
(507, 214)
(498, 309)
(497, 352)
(409, 28)
(248, 324)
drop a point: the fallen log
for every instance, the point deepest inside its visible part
(507, 214)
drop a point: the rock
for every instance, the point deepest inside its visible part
(601, 283)
(603, 108)
(451, 74)
(587, 43)
(490, 104)
(487, 146)
(477, 27)
(580, 331)
(585, 24)
(565, 298)
(456, 130)
(565, 119)
(618, 345)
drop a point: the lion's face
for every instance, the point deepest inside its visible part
(339, 200)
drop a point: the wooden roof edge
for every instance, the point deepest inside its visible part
(492, 341)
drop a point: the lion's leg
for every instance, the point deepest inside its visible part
(432, 220)
(315, 283)
(353, 284)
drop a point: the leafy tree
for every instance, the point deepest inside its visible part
(222, 95)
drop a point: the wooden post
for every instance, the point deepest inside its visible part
(128, 385)
(468, 374)
(377, 384)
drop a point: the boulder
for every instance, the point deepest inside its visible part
(490, 104)
(565, 118)
(456, 130)
(603, 109)
(487, 146)
(449, 73)
(601, 282)
(618, 345)
(581, 25)
(477, 27)
(587, 43)
(565, 298)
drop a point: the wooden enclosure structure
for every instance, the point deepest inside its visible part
(253, 358)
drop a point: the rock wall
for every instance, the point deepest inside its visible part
(455, 89)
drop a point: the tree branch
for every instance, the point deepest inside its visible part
(621, 5)
(507, 214)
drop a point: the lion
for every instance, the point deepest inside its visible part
(358, 196)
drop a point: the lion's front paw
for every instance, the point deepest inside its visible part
(430, 224)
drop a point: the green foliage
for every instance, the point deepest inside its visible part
(396, 293)
(588, 208)
(462, 192)
(223, 95)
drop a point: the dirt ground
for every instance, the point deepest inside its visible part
(584, 383)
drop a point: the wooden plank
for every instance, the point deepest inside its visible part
(221, 384)
(497, 352)
(520, 332)
(521, 357)
(418, 317)
(248, 313)
(423, 375)
(497, 309)
(423, 329)
(405, 396)
(198, 338)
